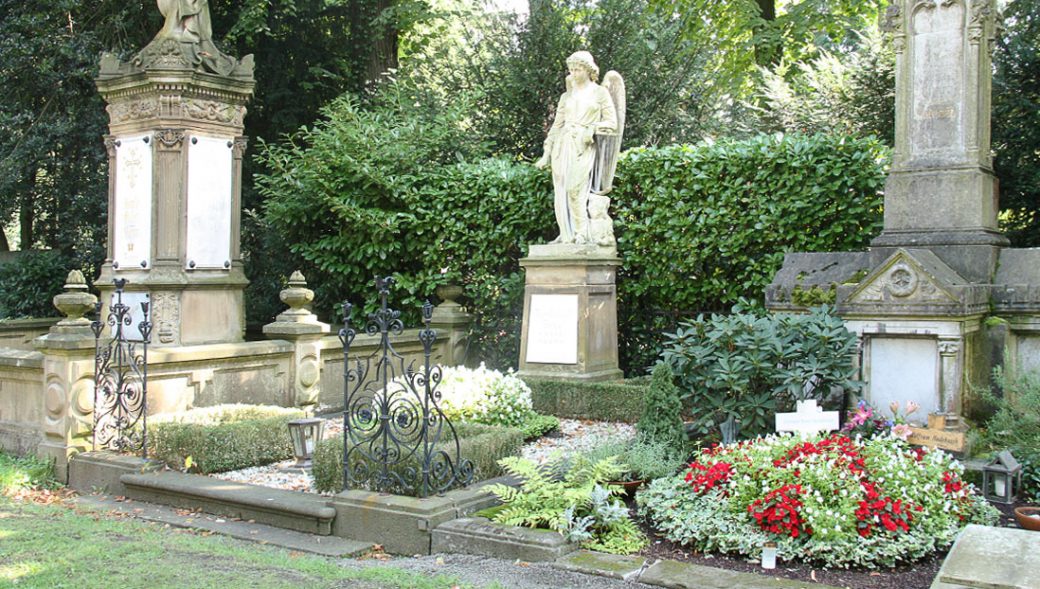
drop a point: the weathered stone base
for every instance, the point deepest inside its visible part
(588, 274)
(483, 537)
(303, 512)
(99, 472)
(403, 525)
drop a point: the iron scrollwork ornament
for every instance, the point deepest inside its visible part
(396, 439)
(121, 376)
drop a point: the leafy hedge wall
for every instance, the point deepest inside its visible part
(698, 227)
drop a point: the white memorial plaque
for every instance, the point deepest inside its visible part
(209, 203)
(132, 300)
(132, 232)
(552, 331)
(808, 418)
(904, 369)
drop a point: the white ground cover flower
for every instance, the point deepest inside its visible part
(484, 396)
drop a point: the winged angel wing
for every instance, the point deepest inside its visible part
(608, 147)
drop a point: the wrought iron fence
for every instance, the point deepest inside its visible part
(121, 376)
(396, 439)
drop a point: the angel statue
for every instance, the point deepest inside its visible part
(187, 26)
(582, 148)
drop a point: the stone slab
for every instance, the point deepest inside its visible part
(985, 557)
(303, 512)
(681, 575)
(403, 525)
(242, 530)
(483, 537)
(614, 566)
(100, 472)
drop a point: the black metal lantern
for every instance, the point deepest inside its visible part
(305, 434)
(1002, 478)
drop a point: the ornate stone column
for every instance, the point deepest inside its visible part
(176, 114)
(451, 321)
(302, 328)
(68, 376)
(951, 373)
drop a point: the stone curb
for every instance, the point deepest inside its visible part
(672, 574)
(331, 546)
(286, 509)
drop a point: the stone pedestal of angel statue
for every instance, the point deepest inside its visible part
(582, 149)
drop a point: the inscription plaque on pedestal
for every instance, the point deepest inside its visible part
(132, 230)
(552, 336)
(208, 243)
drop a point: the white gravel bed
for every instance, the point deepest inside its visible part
(575, 436)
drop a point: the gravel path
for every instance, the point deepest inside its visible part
(574, 436)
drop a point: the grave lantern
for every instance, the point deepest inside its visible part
(305, 434)
(1001, 479)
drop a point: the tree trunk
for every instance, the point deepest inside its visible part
(4, 245)
(768, 48)
(374, 38)
(26, 217)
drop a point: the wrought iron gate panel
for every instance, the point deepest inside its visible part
(392, 421)
(121, 377)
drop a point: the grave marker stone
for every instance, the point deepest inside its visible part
(808, 418)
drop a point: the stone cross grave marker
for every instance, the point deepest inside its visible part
(808, 418)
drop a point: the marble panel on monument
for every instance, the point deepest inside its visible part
(208, 240)
(132, 229)
(133, 300)
(904, 369)
(552, 336)
(937, 131)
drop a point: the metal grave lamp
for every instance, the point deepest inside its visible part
(305, 434)
(1002, 478)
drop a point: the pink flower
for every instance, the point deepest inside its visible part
(894, 406)
(911, 407)
(902, 431)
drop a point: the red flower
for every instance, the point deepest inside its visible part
(704, 478)
(778, 512)
(892, 514)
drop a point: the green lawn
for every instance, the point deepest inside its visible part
(57, 546)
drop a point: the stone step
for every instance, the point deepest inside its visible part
(302, 512)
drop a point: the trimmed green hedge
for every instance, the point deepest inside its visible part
(604, 401)
(485, 445)
(222, 437)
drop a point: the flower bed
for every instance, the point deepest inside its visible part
(480, 395)
(833, 500)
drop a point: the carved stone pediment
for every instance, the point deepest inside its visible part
(905, 280)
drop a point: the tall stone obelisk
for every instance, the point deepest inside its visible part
(921, 299)
(176, 112)
(941, 192)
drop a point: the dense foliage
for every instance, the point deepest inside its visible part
(578, 504)
(832, 500)
(222, 437)
(750, 364)
(483, 445)
(661, 420)
(30, 283)
(1016, 424)
(1016, 121)
(643, 458)
(601, 401)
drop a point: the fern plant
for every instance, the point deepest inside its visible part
(577, 504)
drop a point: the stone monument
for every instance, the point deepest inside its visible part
(920, 298)
(176, 112)
(570, 299)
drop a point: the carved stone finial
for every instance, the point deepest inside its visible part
(75, 302)
(297, 296)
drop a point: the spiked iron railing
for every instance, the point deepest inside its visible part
(396, 439)
(121, 377)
